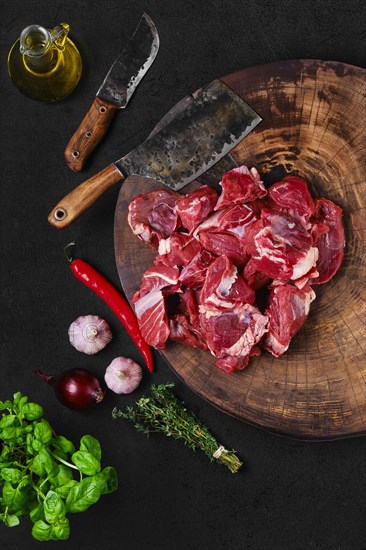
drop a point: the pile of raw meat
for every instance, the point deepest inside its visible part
(234, 272)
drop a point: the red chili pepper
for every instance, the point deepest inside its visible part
(105, 290)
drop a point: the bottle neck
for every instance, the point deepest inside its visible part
(42, 64)
(39, 55)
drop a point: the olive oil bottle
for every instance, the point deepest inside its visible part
(45, 64)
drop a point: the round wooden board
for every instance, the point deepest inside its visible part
(313, 126)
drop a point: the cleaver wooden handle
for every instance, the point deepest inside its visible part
(83, 197)
(91, 131)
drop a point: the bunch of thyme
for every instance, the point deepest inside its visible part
(164, 412)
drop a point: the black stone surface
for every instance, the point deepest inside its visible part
(291, 495)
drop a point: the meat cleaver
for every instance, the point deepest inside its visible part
(115, 92)
(214, 174)
(214, 121)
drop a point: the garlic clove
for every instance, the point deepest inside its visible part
(89, 334)
(123, 375)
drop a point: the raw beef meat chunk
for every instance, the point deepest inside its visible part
(233, 333)
(231, 363)
(288, 310)
(224, 288)
(157, 278)
(255, 279)
(152, 216)
(223, 244)
(292, 194)
(189, 305)
(240, 185)
(330, 243)
(234, 220)
(193, 274)
(224, 233)
(152, 319)
(281, 247)
(183, 332)
(185, 325)
(178, 250)
(196, 206)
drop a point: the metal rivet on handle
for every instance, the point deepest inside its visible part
(60, 214)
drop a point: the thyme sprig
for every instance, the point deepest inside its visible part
(164, 412)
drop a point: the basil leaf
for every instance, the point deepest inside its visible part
(11, 521)
(64, 490)
(29, 443)
(18, 403)
(86, 463)
(37, 513)
(61, 529)
(91, 445)
(6, 405)
(43, 432)
(54, 508)
(25, 481)
(11, 433)
(11, 474)
(62, 476)
(19, 400)
(32, 411)
(22, 401)
(14, 497)
(5, 452)
(42, 530)
(83, 495)
(37, 466)
(61, 443)
(43, 464)
(108, 480)
(36, 444)
(8, 420)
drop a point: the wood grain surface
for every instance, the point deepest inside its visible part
(89, 134)
(313, 126)
(83, 197)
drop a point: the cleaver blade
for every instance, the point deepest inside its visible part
(214, 120)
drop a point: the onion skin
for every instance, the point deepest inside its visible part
(75, 388)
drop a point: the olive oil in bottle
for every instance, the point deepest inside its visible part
(45, 64)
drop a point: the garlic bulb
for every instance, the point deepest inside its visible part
(123, 375)
(89, 334)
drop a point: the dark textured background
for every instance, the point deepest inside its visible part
(291, 495)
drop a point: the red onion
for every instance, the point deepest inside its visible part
(75, 388)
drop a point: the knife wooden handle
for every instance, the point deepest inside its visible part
(83, 197)
(91, 131)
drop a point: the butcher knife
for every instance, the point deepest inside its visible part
(213, 122)
(115, 92)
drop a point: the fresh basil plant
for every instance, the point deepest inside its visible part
(42, 475)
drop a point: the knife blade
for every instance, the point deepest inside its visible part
(115, 92)
(214, 174)
(214, 120)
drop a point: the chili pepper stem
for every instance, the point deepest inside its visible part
(69, 258)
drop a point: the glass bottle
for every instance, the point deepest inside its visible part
(45, 64)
